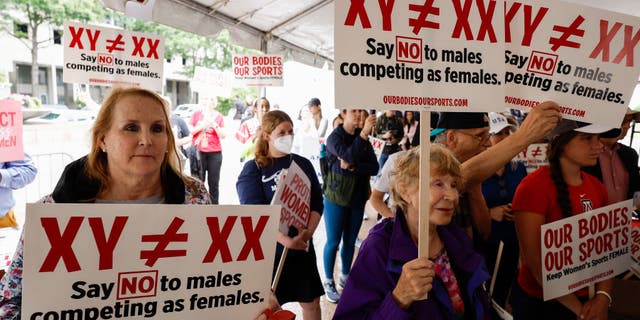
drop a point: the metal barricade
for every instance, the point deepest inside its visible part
(50, 167)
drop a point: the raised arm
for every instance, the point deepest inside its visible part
(540, 121)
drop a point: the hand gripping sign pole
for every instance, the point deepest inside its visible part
(293, 194)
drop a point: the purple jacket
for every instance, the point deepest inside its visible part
(375, 273)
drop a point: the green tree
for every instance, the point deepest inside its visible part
(37, 13)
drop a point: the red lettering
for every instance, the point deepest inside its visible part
(7, 119)
(93, 38)
(252, 237)
(137, 43)
(606, 36)
(61, 244)
(106, 247)
(153, 47)
(556, 260)
(385, 10)
(356, 9)
(486, 16)
(530, 25)
(219, 239)
(509, 14)
(571, 30)
(424, 11)
(76, 37)
(629, 46)
(462, 22)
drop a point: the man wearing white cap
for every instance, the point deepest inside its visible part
(454, 130)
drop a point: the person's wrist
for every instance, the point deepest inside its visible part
(606, 296)
(402, 303)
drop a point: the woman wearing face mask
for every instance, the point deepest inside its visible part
(256, 184)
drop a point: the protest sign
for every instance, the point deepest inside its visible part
(258, 70)
(294, 195)
(429, 56)
(377, 144)
(581, 57)
(584, 249)
(99, 261)
(534, 156)
(11, 147)
(635, 248)
(112, 57)
(8, 239)
(211, 83)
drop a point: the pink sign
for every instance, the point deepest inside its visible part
(10, 131)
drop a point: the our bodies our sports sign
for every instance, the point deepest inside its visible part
(99, 261)
(104, 56)
(584, 249)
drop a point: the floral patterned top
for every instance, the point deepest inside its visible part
(445, 272)
(11, 284)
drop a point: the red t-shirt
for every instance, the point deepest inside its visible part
(537, 193)
(212, 136)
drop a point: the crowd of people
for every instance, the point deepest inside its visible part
(479, 197)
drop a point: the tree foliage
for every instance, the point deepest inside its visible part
(213, 53)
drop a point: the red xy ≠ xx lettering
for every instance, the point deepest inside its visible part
(138, 44)
(606, 36)
(76, 37)
(358, 10)
(163, 241)
(530, 25)
(424, 11)
(571, 30)
(462, 22)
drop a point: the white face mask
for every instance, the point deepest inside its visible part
(284, 144)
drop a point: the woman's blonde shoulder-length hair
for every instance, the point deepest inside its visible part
(406, 174)
(97, 160)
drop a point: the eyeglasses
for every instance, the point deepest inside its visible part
(483, 136)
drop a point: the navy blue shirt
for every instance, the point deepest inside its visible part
(499, 190)
(258, 185)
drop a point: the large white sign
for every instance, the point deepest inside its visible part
(584, 58)
(112, 57)
(585, 249)
(435, 55)
(258, 70)
(100, 261)
(212, 83)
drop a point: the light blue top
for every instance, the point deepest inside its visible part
(15, 175)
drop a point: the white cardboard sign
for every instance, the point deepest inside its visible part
(584, 249)
(419, 55)
(294, 195)
(148, 261)
(104, 56)
(584, 58)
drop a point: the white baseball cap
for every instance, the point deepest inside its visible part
(497, 122)
(566, 125)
